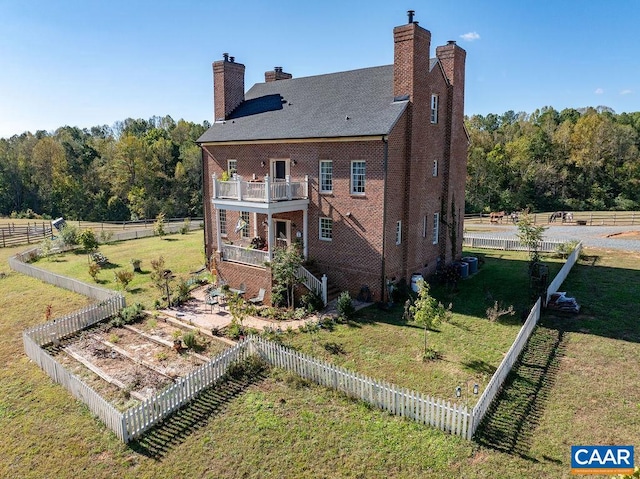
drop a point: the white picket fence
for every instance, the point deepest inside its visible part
(139, 419)
(564, 272)
(498, 378)
(452, 418)
(507, 243)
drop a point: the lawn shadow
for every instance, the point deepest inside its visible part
(159, 440)
(514, 415)
(480, 367)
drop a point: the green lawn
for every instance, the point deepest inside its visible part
(182, 254)
(279, 426)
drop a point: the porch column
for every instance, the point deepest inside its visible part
(270, 235)
(305, 228)
(255, 225)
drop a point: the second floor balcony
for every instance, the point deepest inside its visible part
(268, 190)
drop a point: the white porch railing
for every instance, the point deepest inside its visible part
(265, 191)
(318, 286)
(239, 254)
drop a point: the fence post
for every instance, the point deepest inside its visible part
(3, 243)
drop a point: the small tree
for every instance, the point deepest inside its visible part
(530, 235)
(237, 308)
(428, 312)
(87, 239)
(284, 270)
(159, 225)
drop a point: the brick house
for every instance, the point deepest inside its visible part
(365, 169)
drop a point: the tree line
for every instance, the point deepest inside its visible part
(132, 170)
(575, 159)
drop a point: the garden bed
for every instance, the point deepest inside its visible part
(133, 362)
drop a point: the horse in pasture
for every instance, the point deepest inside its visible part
(564, 216)
(496, 216)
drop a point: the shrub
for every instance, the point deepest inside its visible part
(345, 306)
(312, 301)
(94, 269)
(131, 314)
(183, 293)
(299, 313)
(190, 340)
(87, 239)
(186, 226)
(123, 278)
(565, 249)
(495, 312)
(234, 330)
(69, 235)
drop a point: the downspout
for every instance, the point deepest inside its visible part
(383, 284)
(205, 208)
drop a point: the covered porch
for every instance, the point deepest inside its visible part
(264, 215)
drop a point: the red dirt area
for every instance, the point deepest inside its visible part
(626, 235)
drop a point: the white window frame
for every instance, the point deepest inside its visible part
(434, 172)
(246, 231)
(399, 232)
(434, 108)
(232, 167)
(222, 218)
(436, 228)
(424, 226)
(325, 176)
(358, 177)
(325, 225)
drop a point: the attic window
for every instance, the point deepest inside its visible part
(434, 108)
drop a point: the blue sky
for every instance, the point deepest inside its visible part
(90, 62)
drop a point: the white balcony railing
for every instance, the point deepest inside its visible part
(239, 254)
(266, 191)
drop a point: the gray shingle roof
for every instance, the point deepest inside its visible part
(314, 107)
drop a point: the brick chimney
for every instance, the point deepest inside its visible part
(228, 86)
(276, 74)
(410, 59)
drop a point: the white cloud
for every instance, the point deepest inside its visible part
(470, 37)
(599, 91)
(626, 92)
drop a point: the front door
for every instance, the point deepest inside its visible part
(279, 169)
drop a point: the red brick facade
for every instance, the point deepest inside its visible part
(400, 182)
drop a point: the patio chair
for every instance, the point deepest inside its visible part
(212, 301)
(258, 299)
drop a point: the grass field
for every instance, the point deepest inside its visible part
(578, 383)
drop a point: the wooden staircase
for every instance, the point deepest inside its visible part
(332, 290)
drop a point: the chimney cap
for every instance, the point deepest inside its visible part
(277, 69)
(225, 56)
(410, 14)
(451, 42)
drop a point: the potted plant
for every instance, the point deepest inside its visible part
(136, 265)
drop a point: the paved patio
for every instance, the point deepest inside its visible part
(196, 312)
